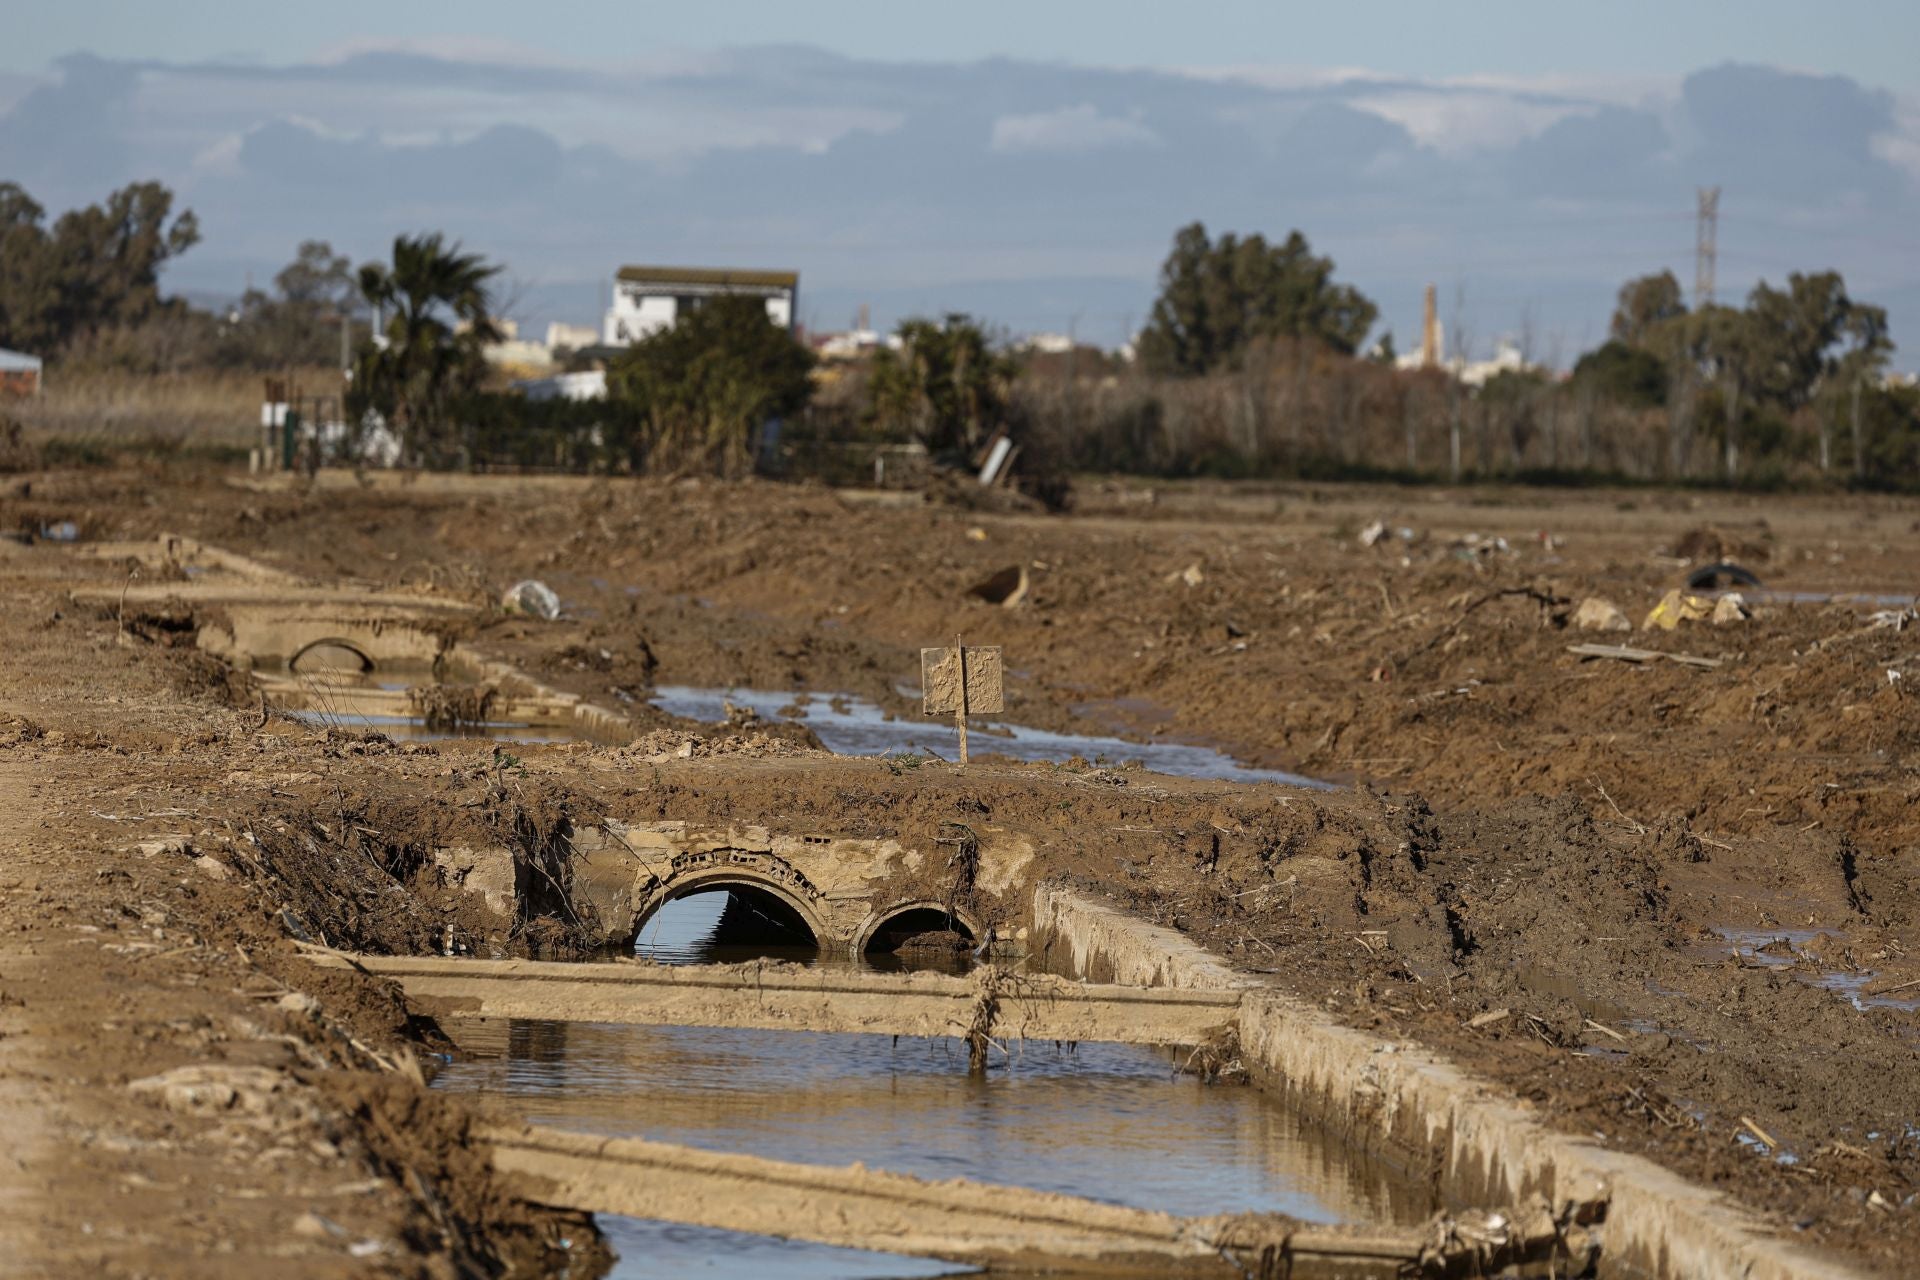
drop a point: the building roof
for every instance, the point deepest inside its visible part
(18, 362)
(720, 276)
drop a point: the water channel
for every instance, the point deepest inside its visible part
(1108, 1122)
(853, 726)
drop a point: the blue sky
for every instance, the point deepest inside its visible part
(1026, 162)
(1869, 40)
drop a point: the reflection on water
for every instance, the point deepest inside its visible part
(1108, 1122)
(1786, 948)
(853, 726)
(414, 729)
(692, 930)
(667, 1251)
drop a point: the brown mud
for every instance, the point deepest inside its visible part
(1642, 895)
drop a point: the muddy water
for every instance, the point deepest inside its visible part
(1108, 1122)
(413, 729)
(853, 726)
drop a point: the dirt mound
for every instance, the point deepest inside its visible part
(1712, 543)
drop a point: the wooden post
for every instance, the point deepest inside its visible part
(960, 712)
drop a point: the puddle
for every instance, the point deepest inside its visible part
(854, 726)
(1760, 947)
(413, 729)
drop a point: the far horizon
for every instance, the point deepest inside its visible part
(1036, 194)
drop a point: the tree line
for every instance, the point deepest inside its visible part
(1251, 363)
(85, 291)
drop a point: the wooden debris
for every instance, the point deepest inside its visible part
(1746, 1122)
(1627, 653)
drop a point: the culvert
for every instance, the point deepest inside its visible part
(330, 654)
(727, 918)
(917, 925)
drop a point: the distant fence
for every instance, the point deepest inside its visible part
(850, 464)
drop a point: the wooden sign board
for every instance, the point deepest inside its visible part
(940, 681)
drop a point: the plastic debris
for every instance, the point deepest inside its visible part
(1675, 608)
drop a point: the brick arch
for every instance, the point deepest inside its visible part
(757, 873)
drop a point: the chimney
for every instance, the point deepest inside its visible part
(1430, 333)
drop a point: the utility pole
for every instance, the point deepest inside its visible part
(1705, 245)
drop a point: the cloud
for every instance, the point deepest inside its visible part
(1614, 152)
(1000, 179)
(1900, 145)
(1076, 128)
(1457, 121)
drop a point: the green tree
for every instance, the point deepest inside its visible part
(29, 279)
(1217, 298)
(299, 322)
(1623, 375)
(1645, 306)
(435, 299)
(98, 267)
(947, 383)
(706, 384)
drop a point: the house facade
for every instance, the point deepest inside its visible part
(649, 299)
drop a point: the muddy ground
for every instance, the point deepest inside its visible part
(1646, 895)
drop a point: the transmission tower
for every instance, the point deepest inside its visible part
(1706, 233)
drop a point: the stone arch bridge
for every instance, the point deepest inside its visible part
(842, 893)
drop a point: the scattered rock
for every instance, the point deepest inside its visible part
(212, 868)
(531, 597)
(1596, 614)
(313, 1226)
(1373, 533)
(299, 1002)
(206, 1088)
(1191, 575)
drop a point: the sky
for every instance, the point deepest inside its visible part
(1025, 162)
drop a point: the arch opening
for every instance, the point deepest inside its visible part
(925, 927)
(723, 922)
(330, 655)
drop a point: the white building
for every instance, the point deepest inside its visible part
(591, 384)
(1047, 344)
(574, 337)
(649, 299)
(853, 344)
(514, 352)
(1507, 358)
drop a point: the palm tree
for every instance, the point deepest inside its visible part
(435, 300)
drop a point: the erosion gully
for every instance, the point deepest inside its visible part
(1109, 1122)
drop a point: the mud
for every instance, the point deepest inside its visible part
(1535, 869)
